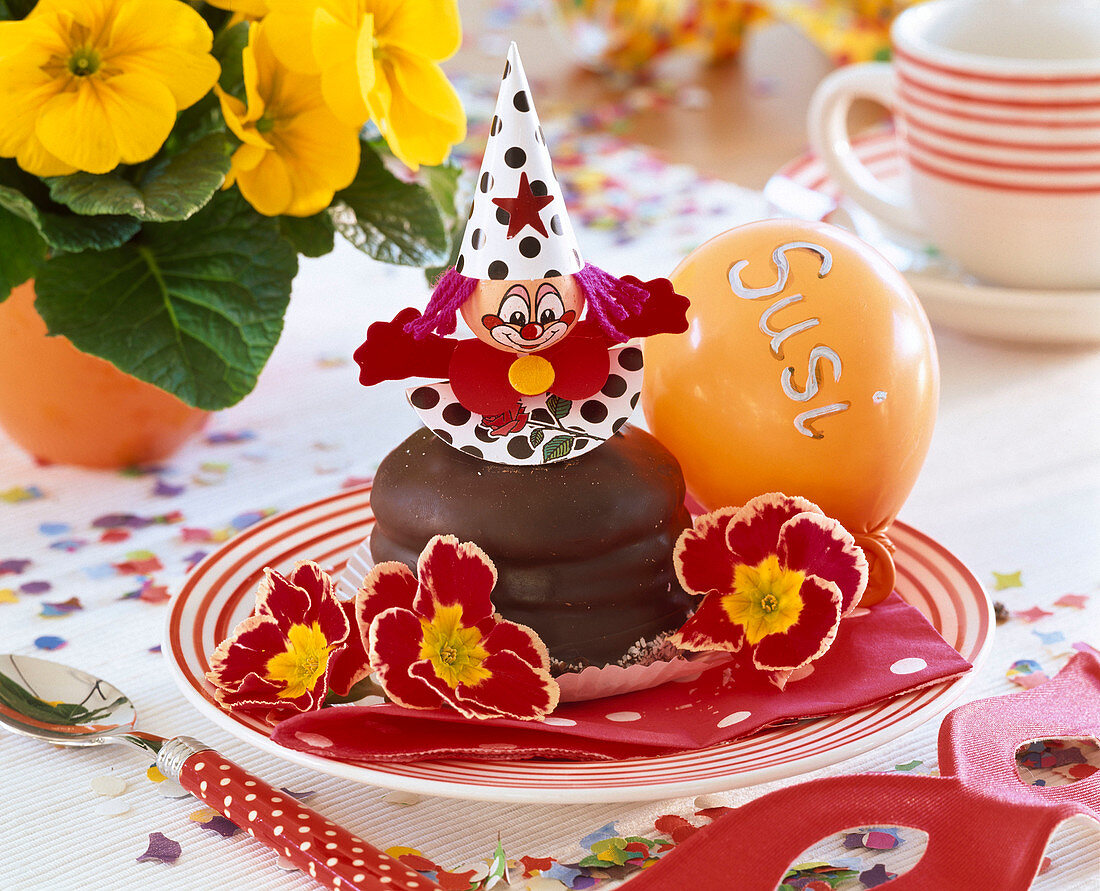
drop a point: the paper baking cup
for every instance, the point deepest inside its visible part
(613, 680)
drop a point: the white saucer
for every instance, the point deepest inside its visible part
(952, 298)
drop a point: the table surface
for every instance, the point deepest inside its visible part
(1011, 486)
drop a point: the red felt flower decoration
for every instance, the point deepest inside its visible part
(437, 642)
(776, 576)
(296, 644)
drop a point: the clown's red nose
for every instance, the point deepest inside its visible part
(530, 331)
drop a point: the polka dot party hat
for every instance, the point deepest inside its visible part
(519, 227)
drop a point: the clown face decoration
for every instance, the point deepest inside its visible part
(524, 316)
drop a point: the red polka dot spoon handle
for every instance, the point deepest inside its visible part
(320, 848)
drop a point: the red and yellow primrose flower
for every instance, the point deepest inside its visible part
(776, 577)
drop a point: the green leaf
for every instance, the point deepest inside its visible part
(228, 50)
(312, 236)
(443, 183)
(559, 407)
(537, 436)
(15, 9)
(26, 197)
(388, 219)
(193, 307)
(557, 448)
(172, 189)
(21, 250)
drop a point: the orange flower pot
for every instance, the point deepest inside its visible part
(65, 406)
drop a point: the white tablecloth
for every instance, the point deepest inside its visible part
(1011, 484)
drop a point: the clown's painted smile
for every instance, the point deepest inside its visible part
(528, 324)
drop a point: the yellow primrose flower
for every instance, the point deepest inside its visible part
(90, 84)
(249, 9)
(378, 59)
(295, 153)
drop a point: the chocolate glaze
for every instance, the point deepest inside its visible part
(583, 548)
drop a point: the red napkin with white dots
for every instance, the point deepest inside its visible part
(879, 654)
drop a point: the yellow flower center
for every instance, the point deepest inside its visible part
(765, 598)
(84, 61)
(454, 650)
(303, 662)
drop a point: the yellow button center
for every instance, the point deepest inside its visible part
(531, 375)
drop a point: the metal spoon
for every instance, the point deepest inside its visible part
(68, 707)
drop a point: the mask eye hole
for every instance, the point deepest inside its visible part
(550, 307)
(514, 310)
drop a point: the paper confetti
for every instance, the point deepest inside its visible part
(20, 494)
(875, 876)
(405, 798)
(1027, 673)
(498, 868)
(54, 528)
(1031, 615)
(161, 849)
(908, 765)
(63, 608)
(1004, 580)
(229, 437)
(1077, 601)
(49, 642)
(139, 563)
(164, 489)
(112, 807)
(38, 587)
(13, 566)
(108, 786)
(7, 595)
(1046, 638)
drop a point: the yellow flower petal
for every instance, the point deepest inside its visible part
(247, 157)
(321, 156)
(267, 186)
(166, 41)
(288, 23)
(425, 116)
(101, 124)
(236, 114)
(422, 27)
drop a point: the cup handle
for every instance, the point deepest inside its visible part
(830, 140)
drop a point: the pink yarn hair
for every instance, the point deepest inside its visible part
(610, 300)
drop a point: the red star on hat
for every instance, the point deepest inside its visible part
(523, 210)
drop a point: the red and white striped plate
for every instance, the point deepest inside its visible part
(219, 593)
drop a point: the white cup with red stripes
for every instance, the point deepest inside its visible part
(996, 106)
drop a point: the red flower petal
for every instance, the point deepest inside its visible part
(518, 639)
(279, 598)
(425, 673)
(253, 642)
(753, 533)
(702, 559)
(394, 646)
(256, 692)
(710, 629)
(819, 545)
(514, 689)
(454, 573)
(810, 636)
(386, 586)
(350, 663)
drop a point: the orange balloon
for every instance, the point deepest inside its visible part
(808, 368)
(65, 406)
